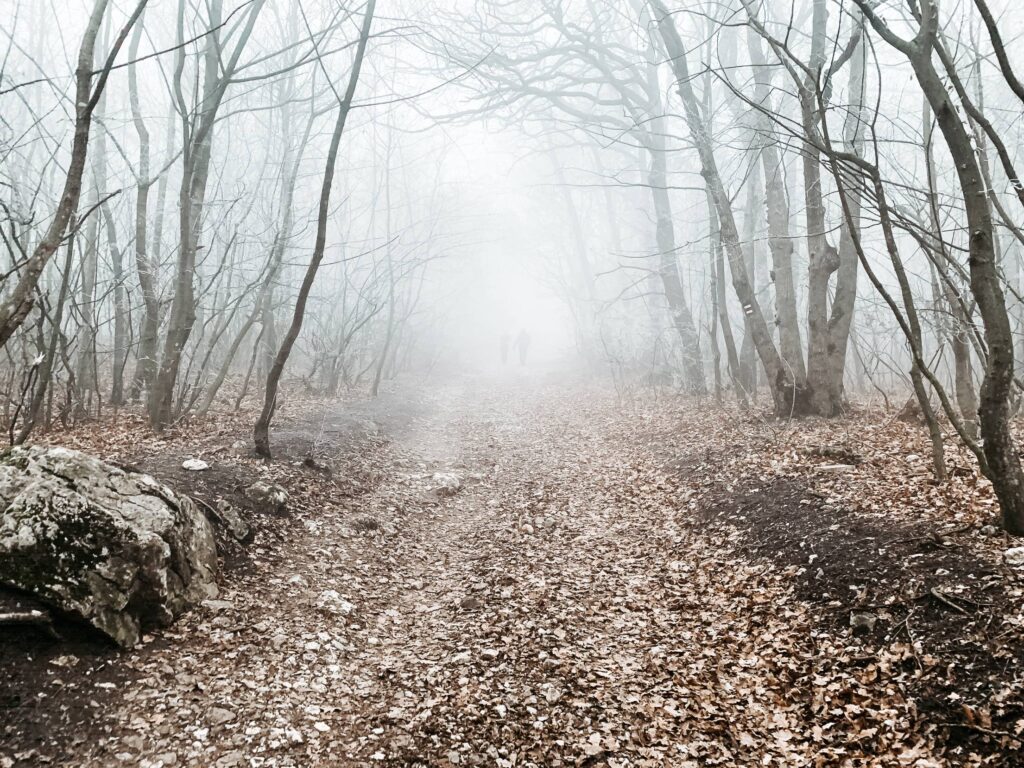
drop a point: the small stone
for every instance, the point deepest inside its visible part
(220, 716)
(230, 760)
(489, 654)
(232, 520)
(266, 497)
(194, 465)
(471, 603)
(448, 483)
(551, 692)
(528, 528)
(1014, 557)
(332, 603)
(862, 623)
(217, 606)
(135, 742)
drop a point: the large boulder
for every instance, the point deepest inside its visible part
(116, 549)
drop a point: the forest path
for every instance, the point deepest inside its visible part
(558, 608)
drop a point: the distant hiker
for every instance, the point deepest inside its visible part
(522, 344)
(506, 339)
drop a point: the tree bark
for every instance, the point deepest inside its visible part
(217, 75)
(261, 430)
(787, 395)
(15, 308)
(1004, 469)
(780, 243)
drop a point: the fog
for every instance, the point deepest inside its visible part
(511, 383)
(674, 196)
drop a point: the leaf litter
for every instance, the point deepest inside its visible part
(543, 576)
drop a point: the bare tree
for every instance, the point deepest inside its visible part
(16, 306)
(261, 430)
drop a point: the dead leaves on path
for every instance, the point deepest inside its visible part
(519, 580)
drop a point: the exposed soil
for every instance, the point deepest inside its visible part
(918, 584)
(594, 588)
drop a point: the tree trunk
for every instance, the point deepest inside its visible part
(780, 243)
(217, 75)
(994, 407)
(46, 367)
(145, 365)
(841, 318)
(15, 308)
(822, 257)
(261, 430)
(788, 396)
(668, 265)
(120, 355)
(721, 305)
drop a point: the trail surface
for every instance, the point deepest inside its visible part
(517, 580)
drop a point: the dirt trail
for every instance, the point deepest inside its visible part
(558, 608)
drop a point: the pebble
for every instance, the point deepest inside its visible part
(220, 716)
(1014, 556)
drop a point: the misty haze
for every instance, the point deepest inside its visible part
(511, 383)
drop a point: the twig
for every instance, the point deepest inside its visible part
(947, 601)
(980, 729)
(32, 619)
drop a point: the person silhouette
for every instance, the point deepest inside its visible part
(523, 345)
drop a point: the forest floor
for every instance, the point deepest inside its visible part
(639, 582)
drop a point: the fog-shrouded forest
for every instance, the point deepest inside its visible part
(511, 383)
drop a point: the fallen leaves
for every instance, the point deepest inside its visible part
(519, 578)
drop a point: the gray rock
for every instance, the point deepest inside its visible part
(332, 603)
(229, 517)
(116, 549)
(1014, 556)
(862, 623)
(218, 606)
(220, 715)
(447, 483)
(231, 760)
(268, 498)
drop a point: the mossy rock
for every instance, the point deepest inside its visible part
(116, 549)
